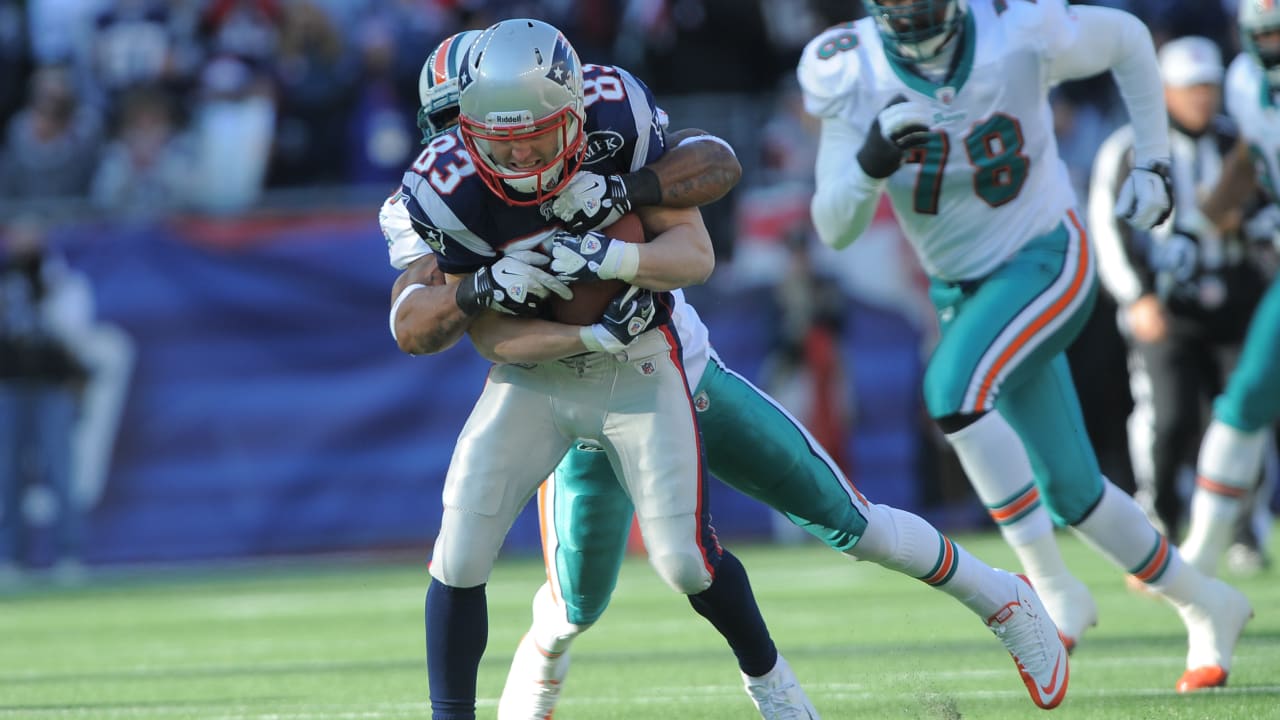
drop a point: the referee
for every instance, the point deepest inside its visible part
(1185, 293)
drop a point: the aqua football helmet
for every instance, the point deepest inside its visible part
(916, 30)
(521, 81)
(1259, 18)
(438, 84)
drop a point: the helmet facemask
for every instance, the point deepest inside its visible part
(541, 180)
(521, 83)
(919, 30)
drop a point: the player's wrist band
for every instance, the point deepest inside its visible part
(643, 188)
(395, 306)
(621, 261)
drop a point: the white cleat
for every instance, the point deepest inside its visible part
(533, 683)
(1028, 633)
(1070, 605)
(778, 696)
(1213, 625)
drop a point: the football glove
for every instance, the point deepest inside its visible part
(900, 126)
(513, 285)
(591, 256)
(1146, 198)
(1175, 260)
(590, 201)
(630, 314)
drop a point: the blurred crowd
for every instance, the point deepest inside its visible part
(137, 108)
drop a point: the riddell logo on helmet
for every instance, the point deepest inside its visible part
(512, 117)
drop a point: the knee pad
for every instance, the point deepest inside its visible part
(685, 572)
(465, 549)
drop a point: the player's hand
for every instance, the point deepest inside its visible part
(629, 315)
(1264, 226)
(591, 201)
(1146, 198)
(513, 285)
(902, 124)
(1146, 319)
(591, 256)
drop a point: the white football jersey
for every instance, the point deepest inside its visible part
(1252, 104)
(990, 177)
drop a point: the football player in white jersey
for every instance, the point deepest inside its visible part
(942, 105)
(1233, 446)
(752, 444)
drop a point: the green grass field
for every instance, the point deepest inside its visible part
(343, 639)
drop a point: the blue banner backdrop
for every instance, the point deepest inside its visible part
(270, 411)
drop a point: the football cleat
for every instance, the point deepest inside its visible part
(1069, 604)
(1214, 624)
(1028, 633)
(533, 683)
(777, 694)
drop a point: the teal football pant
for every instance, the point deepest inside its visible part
(1001, 347)
(751, 443)
(1251, 400)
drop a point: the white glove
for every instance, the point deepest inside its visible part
(1146, 198)
(593, 256)
(513, 285)
(1264, 226)
(591, 201)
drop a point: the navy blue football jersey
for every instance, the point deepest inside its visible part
(468, 226)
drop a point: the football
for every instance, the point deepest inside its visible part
(591, 298)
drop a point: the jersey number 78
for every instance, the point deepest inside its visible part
(994, 148)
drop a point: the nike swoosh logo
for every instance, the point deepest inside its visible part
(1048, 689)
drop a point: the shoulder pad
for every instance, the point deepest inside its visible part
(1047, 23)
(830, 67)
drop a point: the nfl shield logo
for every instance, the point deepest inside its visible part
(647, 367)
(945, 95)
(701, 402)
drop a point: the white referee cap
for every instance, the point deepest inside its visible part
(1190, 61)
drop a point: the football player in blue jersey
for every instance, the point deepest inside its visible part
(480, 197)
(942, 106)
(752, 444)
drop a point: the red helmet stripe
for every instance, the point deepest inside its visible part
(441, 67)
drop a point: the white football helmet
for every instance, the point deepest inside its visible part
(1258, 18)
(438, 84)
(917, 30)
(522, 80)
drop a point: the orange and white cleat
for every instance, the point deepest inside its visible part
(1028, 633)
(1214, 624)
(1070, 605)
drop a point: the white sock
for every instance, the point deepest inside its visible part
(996, 462)
(551, 631)
(906, 543)
(1225, 472)
(1118, 529)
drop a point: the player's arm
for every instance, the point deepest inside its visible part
(679, 255)
(1235, 185)
(431, 310)
(845, 195)
(425, 317)
(1121, 267)
(698, 168)
(1108, 39)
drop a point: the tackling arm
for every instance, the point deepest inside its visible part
(699, 168)
(425, 317)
